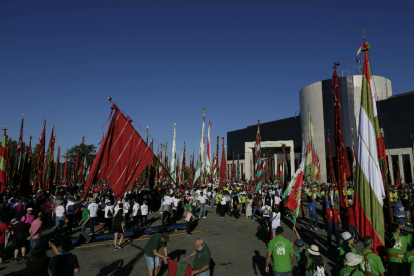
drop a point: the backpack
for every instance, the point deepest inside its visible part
(320, 271)
(389, 240)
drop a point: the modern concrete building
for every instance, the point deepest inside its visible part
(396, 117)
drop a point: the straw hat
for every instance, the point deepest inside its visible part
(314, 250)
(352, 259)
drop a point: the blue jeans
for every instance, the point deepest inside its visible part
(152, 262)
(59, 224)
(91, 225)
(204, 273)
(161, 207)
(289, 273)
(350, 228)
(313, 218)
(256, 208)
(83, 232)
(202, 210)
(33, 244)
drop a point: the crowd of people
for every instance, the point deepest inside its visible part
(24, 217)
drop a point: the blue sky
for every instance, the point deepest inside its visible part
(163, 61)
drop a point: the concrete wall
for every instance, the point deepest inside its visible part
(311, 99)
(317, 98)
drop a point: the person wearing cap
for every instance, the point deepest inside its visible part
(396, 253)
(17, 229)
(371, 262)
(201, 265)
(346, 247)
(301, 258)
(28, 218)
(352, 262)
(283, 254)
(151, 252)
(315, 263)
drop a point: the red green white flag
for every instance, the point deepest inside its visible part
(293, 192)
(369, 188)
(311, 167)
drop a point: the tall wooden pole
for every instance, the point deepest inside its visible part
(346, 191)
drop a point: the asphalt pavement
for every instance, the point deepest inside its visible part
(238, 247)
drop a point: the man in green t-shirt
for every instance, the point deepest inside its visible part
(396, 253)
(201, 265)
(283, 253)
(371, 262)
(84, 223)
(408, 261)
(151, 252)
(352, 262)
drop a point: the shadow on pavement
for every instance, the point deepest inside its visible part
(259, 264)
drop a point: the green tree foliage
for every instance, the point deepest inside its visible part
(73, 153)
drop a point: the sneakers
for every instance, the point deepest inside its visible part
(118, 247)
(316, 229)
(90, 234)
(204, 217)
(189, 235)
(88, 240)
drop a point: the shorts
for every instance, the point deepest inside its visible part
(407, 213)
(152, 262)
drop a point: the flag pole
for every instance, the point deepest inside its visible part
(346, 191)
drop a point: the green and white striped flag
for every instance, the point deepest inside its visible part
(369, 188)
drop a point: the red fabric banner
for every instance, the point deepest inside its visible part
(122, 157)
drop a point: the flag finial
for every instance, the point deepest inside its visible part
(363, 32)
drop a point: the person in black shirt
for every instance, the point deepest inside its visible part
(64, 263)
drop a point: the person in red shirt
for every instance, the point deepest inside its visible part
(351, 222)
(333, 218)
(3, 230)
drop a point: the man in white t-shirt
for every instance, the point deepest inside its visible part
(135, 215)
(127, 205)
(167, 209)
(70, 213)
(175, 208)
(93, 211)
(60, 218)
(202, 199)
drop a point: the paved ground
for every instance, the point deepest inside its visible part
(238, 247)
